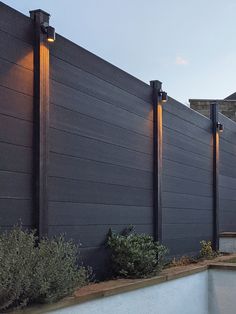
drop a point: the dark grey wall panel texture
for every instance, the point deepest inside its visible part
(16, 118)
(100, 150)
(227, 183)
(187, 179)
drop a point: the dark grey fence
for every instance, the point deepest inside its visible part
(16, 117)
(100, 170)
(100, 149)
(187, 178)
(227, 189)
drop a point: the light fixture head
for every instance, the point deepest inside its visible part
(51, 34)
(220, 127)
(163, 96)
(49, 31)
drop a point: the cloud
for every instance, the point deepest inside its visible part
(181, 61)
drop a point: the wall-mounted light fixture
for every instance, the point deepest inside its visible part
(220, 127)
(163, 96)
(50, 31)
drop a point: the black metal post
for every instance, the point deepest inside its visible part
(214, 110)
(41, 121)
(157, 160)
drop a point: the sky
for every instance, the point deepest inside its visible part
(189, 45)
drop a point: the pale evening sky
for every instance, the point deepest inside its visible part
(189, 45)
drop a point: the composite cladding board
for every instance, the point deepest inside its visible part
(100, 172)
(187, 179)
(227, 179)
(16, 117)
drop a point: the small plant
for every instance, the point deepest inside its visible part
(135, 255)
(182, 261)
(43, 273)
(206, 250)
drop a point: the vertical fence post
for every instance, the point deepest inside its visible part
(41, 121)
(214, 110)
(157, 160)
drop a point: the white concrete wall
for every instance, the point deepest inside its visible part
(227, 245)
(222, 291)
(186, 295)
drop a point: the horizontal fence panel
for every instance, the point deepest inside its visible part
(97, 256)
(16, 104)
(77, 214)
(227, 217)
(77, 101)
(16, 117)
(186, 143)
(16, 24)
(78, 146)
(186, 186)
(228, 135)
(187, 114)
(186, 216)
(16, 131)
(76, 78)
(228, 123)
(100, 150)
(176, 200)
(227, 205)
(227, 159)
(101, 265)
(88, 170)
(227, 226)
(179, 170)
(185, 246)
(15, 158)
(15, 185)
(186, 157)
(227, 179)
(78, 124)
(85, 60)
(171, 121)
(22, 56)
(179, 231)
(19, 211)
(227, 193)
(187, 197)
(226, 170)
(16, 77)
(93, 236)
(227, 147)
(83, 191)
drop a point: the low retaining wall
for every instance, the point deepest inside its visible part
(184, 295)
(221, 291)
(203, 288)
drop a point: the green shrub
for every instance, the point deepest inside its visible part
(43, 273)
(206, 250)
(57, 271)
(135, 255)
(17, 268)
